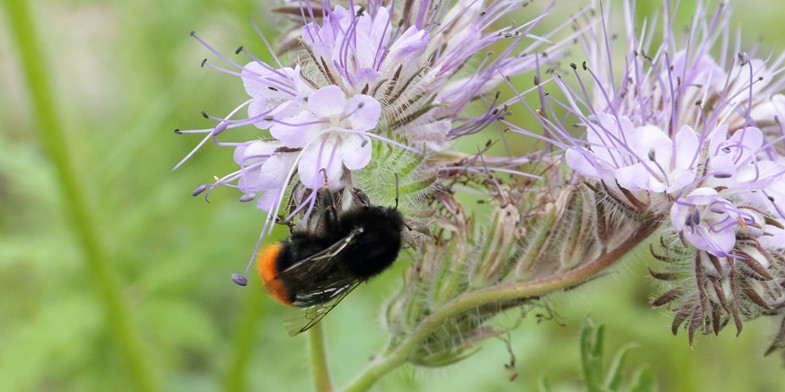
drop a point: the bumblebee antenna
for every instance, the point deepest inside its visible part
(396, 192)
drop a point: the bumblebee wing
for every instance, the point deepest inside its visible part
(322, 262)
(299, 320)
(322, 273)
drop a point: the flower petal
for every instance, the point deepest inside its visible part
(365, 112)
(318, 156)
(327, 102)
(298, 131)
(355, 151)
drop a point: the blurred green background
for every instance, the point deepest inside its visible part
(126, 264)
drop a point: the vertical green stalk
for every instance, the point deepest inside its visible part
(319, 368)
(243, 345)
(47, 121)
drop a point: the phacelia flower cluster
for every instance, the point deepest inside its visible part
(689, 132)
(361, 81)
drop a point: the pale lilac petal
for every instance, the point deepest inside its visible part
(250, 152)
(365, 112)
(722, 166)
(409, 46)
(687, 147)
(717, 137)
(260, 81)
(770, 110)
(265, 108)
(432, 136)
(716, 243)
(371, 35)
(577, 159)
(774, 238)
(680, 179)
(648, 138)
(633, 177)
(758, 175)
(275, 169)
(327, 102)
(703, 196)
(751, 139)
(356, 152)
(298, 131)
(318, 156)
(268, 200)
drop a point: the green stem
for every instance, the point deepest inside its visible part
(245, 335)
(500, 293)
(321, 373)
(47, 121)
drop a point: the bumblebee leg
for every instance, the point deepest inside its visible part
(327, 203)
(360, 195)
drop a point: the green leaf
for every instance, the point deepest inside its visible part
(544, 385)
(591, 355)
(643, 380)
(615, 376)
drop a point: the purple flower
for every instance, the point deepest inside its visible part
(688, 134)
(675, 119)
(331, 131)
(637, 158)
(274, 93)
(370, 92)
(258, 160)
(364, 76)
(738, 162)
(707, 220)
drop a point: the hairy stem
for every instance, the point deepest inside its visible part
(500, 293)
(23, 35)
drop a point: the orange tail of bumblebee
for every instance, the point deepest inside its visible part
(269, 274)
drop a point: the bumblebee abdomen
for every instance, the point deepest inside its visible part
(378, 245)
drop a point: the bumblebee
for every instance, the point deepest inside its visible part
(315, 269)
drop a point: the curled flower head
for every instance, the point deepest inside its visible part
(685, 132)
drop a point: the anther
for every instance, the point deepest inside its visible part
(694, 218)
(238, 50)
(198, 190)
(744, 58)
(240, 280)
